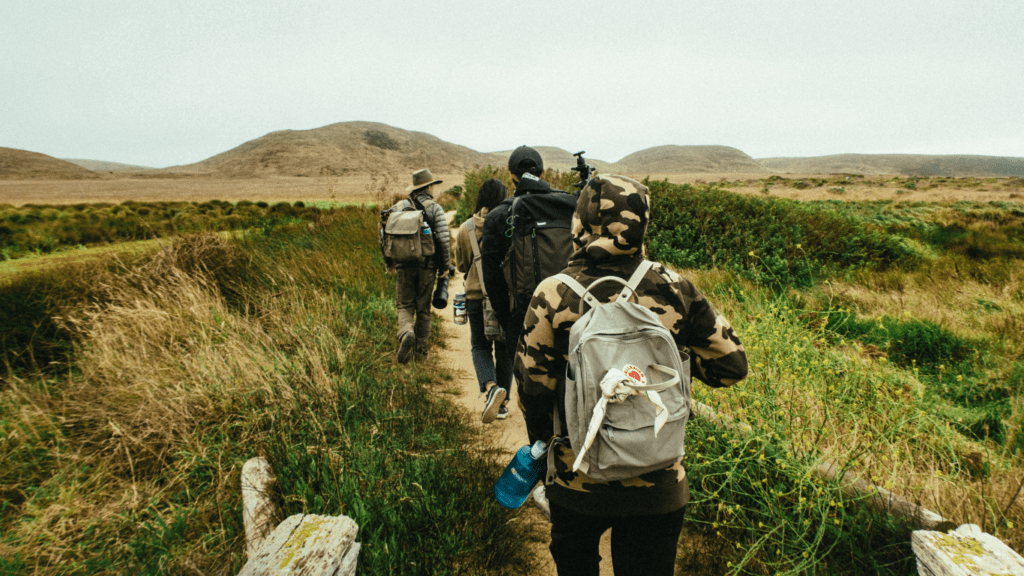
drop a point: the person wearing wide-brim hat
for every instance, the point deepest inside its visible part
(421, 179)
(415, 282)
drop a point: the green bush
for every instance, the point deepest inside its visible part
(775, 241)
(41, 230)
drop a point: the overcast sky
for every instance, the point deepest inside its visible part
(160, 83)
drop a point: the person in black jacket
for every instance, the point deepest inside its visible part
(415, 283)
(526, 166)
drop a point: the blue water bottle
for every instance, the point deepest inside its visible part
(521, 474)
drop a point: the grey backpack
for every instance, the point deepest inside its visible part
(625, 345)
(405, 234)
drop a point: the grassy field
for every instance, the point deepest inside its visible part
(883, 336)
(195, 189)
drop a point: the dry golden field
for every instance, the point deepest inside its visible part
(341, 189)
(855, 189)
(368, 188)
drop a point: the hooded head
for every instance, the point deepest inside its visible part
(525, 159)
(611, 218)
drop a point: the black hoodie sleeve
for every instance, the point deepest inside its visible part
(493, 246)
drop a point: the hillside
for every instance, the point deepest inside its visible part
(103, 166)
(554, 158)
(24, 165)
(686, 159)
(343, 148)
(899, 164)
(366, 148)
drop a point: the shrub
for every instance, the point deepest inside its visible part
(380, 140)
(776, 241)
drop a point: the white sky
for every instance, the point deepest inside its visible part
(165, 82)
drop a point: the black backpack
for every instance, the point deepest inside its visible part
(541, 235)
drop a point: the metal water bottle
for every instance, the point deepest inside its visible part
(521, 474)
(459, 308)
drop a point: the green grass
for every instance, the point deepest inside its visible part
(136, 388)
(773, 241)
(42, 229)
(180, 367)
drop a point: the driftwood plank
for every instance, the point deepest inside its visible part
(307, 545)
(963, 552)
(257, 508)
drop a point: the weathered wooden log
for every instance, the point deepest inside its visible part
(877, 498)
(881, 500)
(307, 545)
(962, 552)
(258, 511)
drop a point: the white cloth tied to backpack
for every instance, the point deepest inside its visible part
(615, 388)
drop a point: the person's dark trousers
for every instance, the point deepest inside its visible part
(491, 360)
(413, 288)
(513, 330)
(641, 545)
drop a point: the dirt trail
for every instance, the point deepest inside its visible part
(509, 434)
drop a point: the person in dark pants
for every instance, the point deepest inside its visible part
(645, 513)
(526, 166)
(415, 283)
(492, 361)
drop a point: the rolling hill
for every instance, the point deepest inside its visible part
(673, 159)
(102, 166)
(24, 165)
(899, 164)
(343, 148)
(554, 158)
(363, 148)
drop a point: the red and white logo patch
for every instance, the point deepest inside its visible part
(635, 373)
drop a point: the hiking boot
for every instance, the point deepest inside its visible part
(495, 400)
(405, 346)
(502, 413)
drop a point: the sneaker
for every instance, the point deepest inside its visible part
(405, 346)
(495, 400)
(502, 413)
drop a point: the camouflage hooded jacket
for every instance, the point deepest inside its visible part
(608, 231)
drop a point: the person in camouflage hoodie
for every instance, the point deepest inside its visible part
(645, 512)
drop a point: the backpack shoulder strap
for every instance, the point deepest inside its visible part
(417, 204)
(636, 278)
(477, 261)
(571, 283)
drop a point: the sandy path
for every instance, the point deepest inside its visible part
(509, 434)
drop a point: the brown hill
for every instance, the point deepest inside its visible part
(554, 158)
(343, 148)
(103, 166)
(899, 164)
(24, 165)
(687, 159)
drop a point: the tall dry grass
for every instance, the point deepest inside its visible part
(189, 363)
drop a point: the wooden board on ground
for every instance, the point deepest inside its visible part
(965, 551)
(307, 545)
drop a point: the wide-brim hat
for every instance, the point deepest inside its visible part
(422, 179)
